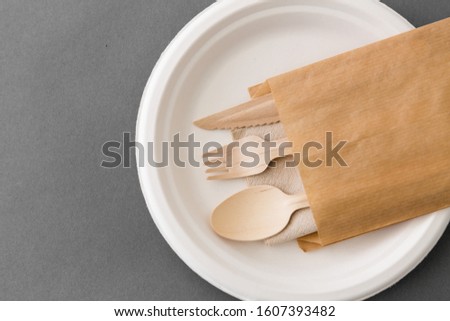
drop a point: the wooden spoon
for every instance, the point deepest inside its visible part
(255, 213)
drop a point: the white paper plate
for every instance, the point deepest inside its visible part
(228, 47)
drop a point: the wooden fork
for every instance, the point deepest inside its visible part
(229, 161)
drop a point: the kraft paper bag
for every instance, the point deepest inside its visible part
(390, 103)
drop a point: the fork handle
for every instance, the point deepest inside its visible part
(283, 148)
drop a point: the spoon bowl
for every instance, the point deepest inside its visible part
(255, 213)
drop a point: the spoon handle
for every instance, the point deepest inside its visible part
(298, 202)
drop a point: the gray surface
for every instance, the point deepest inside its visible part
(71, 77)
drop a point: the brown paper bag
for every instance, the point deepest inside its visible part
(391, 102)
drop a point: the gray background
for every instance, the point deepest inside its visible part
(71, 77)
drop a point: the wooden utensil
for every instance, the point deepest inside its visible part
(255, 213)
(256, 112)
(234, 161)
